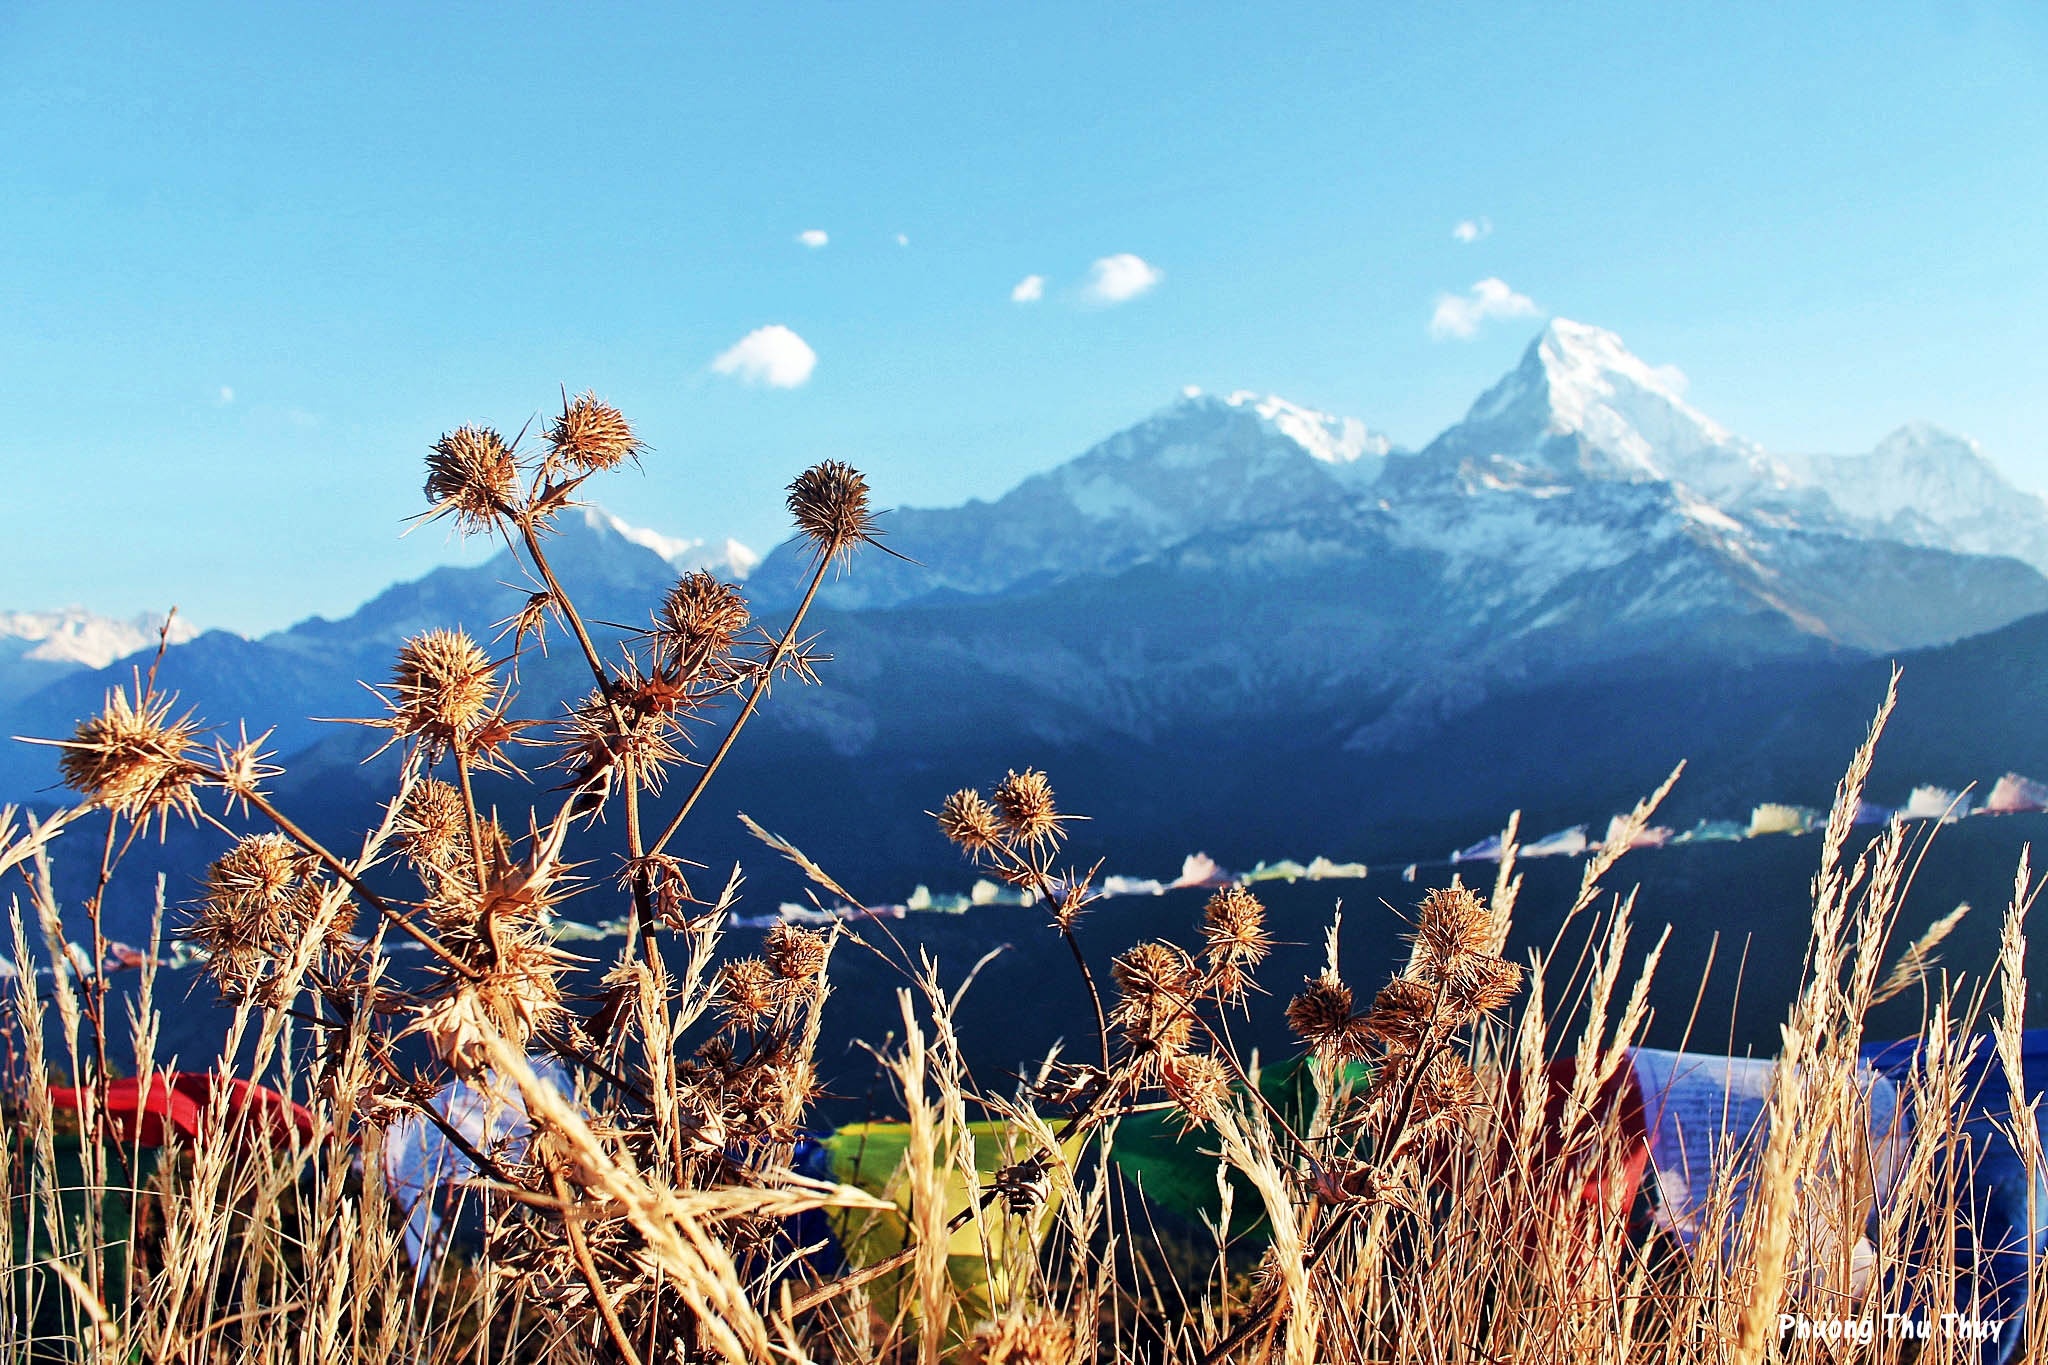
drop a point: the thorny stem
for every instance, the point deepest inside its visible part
(1244, 1079)
(476, 828)
(567, 1051)
(342, 870)
(96, 997)
(643, 892)
(1094, 994)
(455, 1136)
(566, 607)
(572, 1223)
(1064, 923)
(754, 695)
(378, 1054)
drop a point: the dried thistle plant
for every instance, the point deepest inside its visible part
(472, 476)
(830, 504)
(133, 759)
(589, 437)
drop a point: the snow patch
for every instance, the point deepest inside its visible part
(727, 556)
(74, 635)
(1333, 440)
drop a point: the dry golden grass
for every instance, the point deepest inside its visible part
(1426, 1207)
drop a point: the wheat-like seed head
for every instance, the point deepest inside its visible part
(472, 474)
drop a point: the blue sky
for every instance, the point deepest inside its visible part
(253, 259)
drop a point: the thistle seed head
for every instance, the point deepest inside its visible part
(133, 758)
(442, 687)
(1024, 805)
(1444, 1093)
(433, 826)
(1450, 1087)
(261, 900)
(519, 995)
(1400, 1013)
(598, 753)
(1199, 1084)
(700, 619)
(1480, 984)
(471, 473)
(1452, 923)
(794, 954)
(1155, 1012)
(1234, 929)
(968, 820)
(258, 869)
(590, 436)
(747, 990)
(829, 502)
(1321, 1014)
(1023, 1338)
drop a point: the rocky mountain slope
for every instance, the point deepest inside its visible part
(1247, 565)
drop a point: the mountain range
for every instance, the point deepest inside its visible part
(1241, 620)
(39, 647)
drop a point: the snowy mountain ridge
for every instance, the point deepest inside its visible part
(1333, 440)
(728, 557)
(1244, 556)
(1579, 412)
(75, 636)
(1583, 405)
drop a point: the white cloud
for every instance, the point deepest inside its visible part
(771, 355)
(1030, 289)
(903, 239)
(813, 238)
(1461, 315)
(1119, 278)
(1472, 229)
(227, 396)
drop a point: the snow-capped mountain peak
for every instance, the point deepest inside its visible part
(1600, 388)
(1926, 486)
(727, 558)
(76, 636)
(1581, 403)
(1202, 462)
(1333, 440)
